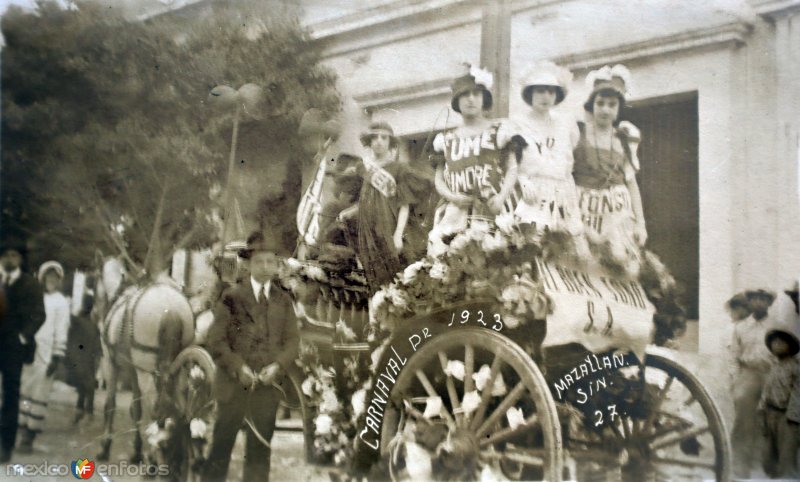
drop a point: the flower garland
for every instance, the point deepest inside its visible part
(479, 263)
(334, 422)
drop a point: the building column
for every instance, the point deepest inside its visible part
(787, 168)
(496, 51)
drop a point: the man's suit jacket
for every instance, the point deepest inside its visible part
(24, 316)
(245, 331)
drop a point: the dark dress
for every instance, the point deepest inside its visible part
(377, 220)
(83, 353)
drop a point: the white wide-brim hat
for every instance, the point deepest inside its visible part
(50, 265)
(546, 74)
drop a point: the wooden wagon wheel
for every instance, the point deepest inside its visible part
(525, 446)
(295, 400)
(192, 375)
(679, 433)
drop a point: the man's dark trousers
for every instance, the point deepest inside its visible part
(11, 371)
(261, 406)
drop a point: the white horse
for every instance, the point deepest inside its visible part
(143, 331)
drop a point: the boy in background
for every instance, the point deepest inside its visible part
(778, 408)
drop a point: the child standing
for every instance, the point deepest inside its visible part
(753, 362)
(470, 173)
(778, 407)
(51, 344)
(390, 190)
(83, 355)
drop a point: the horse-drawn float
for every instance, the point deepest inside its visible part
(497, 361)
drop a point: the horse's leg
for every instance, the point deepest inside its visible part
(108, 411)
(136, 415)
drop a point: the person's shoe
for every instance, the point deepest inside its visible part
(5, 455)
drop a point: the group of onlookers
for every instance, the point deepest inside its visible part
(766, 384)
(40, 341)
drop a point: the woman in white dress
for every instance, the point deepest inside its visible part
(549, 197)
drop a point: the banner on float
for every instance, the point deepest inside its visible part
(596, 310)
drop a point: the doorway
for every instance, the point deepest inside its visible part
(669, 184)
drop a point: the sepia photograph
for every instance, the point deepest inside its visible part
(399, 240)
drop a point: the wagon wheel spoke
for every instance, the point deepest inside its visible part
(626, 429)
(423, 379)
(501, 409)
(451, 390)
(657, 404)
(614, 429)
(410, 410)
(469, 367)
(666, 430)
(692, 464)
(527, 456)
(480, 412)
(680, 437)
(508, 433)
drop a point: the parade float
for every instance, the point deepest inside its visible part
(499, 358)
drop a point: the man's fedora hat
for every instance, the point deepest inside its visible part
(258, 242)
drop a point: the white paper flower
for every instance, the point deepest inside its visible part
(294, 264)
(456, 369)
(459, 242)
(512, 292)
(198, 428)
(323, 424)
(515, 417)
(330, 402)
(436, 247)
(359, 401)
(494, 243)
(378, 299)
(315, 272)
(511, 322)
(471, 401)
(151, 429)
(622, 72)
(505, 222)
(607, 73)
(197, 373)
(345, 331)
(307, 386)
(433, 407)
(480, 228)
(397, 296)
(488, 474)
(499, 387)
(481, 377)
(155, 435)
(411, 271)
(482, 77)
(418, 462)
(438, 270)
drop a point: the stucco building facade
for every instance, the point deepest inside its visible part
(715, 92)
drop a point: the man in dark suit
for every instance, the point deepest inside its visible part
(23, 318)
(254, 342)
